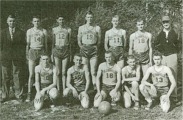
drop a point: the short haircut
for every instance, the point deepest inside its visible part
(130, 57)
(36, 16)
(140, 19)
(78, 54)
(89, 12)
(109, 52)
(157, 53)
(45, 54)
(59, 15)
(11, 16)
(115, 16)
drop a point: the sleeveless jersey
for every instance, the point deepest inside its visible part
(61, 36)
(37, 38)
(159, 78)
(88, 36)
(46, 75)
(130, 74)
(116, 39)
(78, 76)
(141, 42)
(109, 75)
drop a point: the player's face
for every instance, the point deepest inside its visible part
(157, 60)
(109, 58)
(44, 60)
(115, 22)
(131, 63)
(36, 22)
(60, 20)
(77, 60)
(11, 22)
(166, 24)
(140, 25)
(89, 18)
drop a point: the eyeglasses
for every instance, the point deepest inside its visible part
(165, 22)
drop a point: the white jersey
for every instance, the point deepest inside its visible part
(109, 74)
(116, 38)
(88, 36)
(61, 36)
(36, 37)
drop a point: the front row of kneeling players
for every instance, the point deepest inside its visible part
(108, 82)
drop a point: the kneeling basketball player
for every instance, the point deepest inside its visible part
(78, 81)
(45, 82)
(161, 76)
(111, 79)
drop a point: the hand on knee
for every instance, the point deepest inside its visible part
(97, 100)
(85, 102)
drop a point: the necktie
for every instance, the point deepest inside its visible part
(11, 33)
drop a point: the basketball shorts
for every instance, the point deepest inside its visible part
(162, 90)
(89, 51)
(80, 88)
(118, 53)
(142, 58)
(107, 88)
(34, 54)
(128, 84)
(61, 52)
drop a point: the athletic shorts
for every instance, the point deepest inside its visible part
(162, 90)
(107, 88)
(34, 54)
(89, 51)
(128, 84)
(142, 58)
(118, 52)
(61, 52)
(80, 88)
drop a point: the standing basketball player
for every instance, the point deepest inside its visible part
(161, 76)
(130, 78)
(140, 46)
(78, 81)
(111, 80)
(89, 38)
(36, 45)
(45, 82)
(60, 49)
(167, 43)
(115, 41)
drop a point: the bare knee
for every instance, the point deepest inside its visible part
(53, 93)
(66, 92)
(135, 85)
(63, 73)
(84, 100)
(127, 100)
(141, 87)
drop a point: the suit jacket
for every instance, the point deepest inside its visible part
(12, 49)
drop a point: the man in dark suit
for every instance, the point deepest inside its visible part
(12, 49)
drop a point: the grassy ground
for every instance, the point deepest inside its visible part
(13, 110)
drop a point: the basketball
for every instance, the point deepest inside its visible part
(104, 107)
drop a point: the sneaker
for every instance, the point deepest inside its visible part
(136, 106)
(148, 106)
(28, 99)
(20, 99)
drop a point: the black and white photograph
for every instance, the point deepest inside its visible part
(91, 59)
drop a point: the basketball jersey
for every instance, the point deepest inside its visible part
(61, 36)
(116, 38)
(46, 75)
(140, 43)
(77, 76)
(88, 36)
(159, 78)
(109, 75)
(37, 38)
(130, 74)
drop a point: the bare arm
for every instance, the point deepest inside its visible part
(118, 79)
(37, 82)
(150, 48)
(106, 41)
(87, 77)
(99, 74)
(172, 80)
(125, 42)
(46, 40)
(99, 37)
(146, 76)
(69, 80)
(137, 78)
(70, 43)
(131, 44)
(79, 37)
(28, 37)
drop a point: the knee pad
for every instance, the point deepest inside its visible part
(127, 100)
(97, 100)
(38, 104)
(165, 105)
(53, 93)
(84, 98)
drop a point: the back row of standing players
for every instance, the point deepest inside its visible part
(89, 39)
